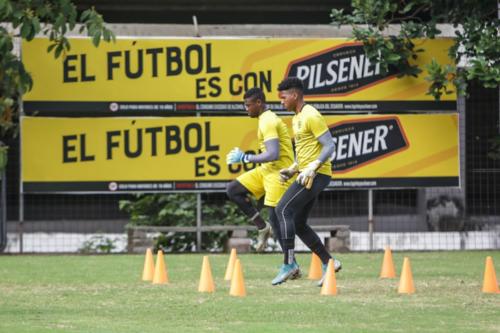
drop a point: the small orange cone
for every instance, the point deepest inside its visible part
(237, 281)
(149, 266)
(387, 271)
(315, 271)
(230, 265)
(490, 284)
(329, 287)
(406, 285)
(161, 275)
(206, 281)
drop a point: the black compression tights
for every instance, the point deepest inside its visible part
(240, 196)
(293, 210)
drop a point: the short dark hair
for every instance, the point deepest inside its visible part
(291, 82)
(256, 93)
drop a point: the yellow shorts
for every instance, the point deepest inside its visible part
(264, 182)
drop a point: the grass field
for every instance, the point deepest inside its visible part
(105, 294)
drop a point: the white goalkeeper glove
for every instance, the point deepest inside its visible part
(306, 176)
(236, 155)
(287, 173)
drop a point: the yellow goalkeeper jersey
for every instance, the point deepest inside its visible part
(308, 125)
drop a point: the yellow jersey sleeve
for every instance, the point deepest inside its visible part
(272, 127)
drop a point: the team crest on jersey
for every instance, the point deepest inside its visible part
(337, 71)
(360, 142)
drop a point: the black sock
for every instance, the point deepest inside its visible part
(289, 251)
(240, 196)
(258, 221)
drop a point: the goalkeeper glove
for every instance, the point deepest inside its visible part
(287, 173)
(307, 175)
(236, 155)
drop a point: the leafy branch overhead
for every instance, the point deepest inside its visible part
(52, 18)
(476, 45)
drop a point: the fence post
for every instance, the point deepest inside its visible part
(3, 212)
(20, 228)
(198, 222)
(370, 217)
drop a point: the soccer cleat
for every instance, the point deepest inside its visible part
(337, 265)
(298, 274)
(262, 237)
(286, 272)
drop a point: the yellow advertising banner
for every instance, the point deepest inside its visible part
(151, 76)
(127, 154)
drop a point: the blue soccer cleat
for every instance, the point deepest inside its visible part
(337, 265)
(297, 274)
(286, 272)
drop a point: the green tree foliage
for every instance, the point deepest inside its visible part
(52, 18)
(476, 41)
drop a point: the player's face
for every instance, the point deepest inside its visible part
(253, 107)
(288, 99)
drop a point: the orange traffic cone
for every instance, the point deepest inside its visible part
(406, 285)
(161, 275)
(315, 271)
(230, 265)
(329, 287)
(237, 281)
(206, 281)
(490, 284)
(149, 266)
(387, 270)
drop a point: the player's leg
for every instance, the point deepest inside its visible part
(251, 182)
(275, 224)
(239, 191)
(274, 190)
(297, 203)
(308, 236)
(311, 239)
(291, 201)
(238, 194)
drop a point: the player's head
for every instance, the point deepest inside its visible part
(255, 102)
(291, 91)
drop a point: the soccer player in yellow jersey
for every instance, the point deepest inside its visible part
(313, 149)
(276, 153)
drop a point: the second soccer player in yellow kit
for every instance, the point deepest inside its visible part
(313, 149)
(276, 153)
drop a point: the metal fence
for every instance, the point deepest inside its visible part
(418, 219)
